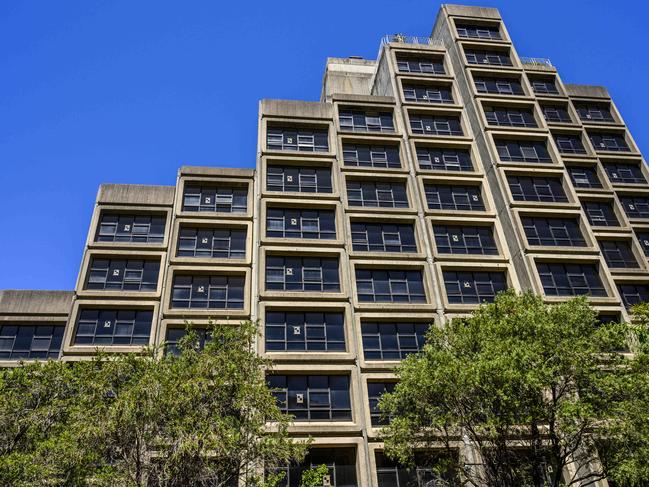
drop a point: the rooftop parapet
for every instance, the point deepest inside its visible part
(587, 91)
(352, 76)
(52, 303)
(468, 11)
(223, 172)
(136, 194)
(295, 109)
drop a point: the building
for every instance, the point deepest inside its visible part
(420, 185)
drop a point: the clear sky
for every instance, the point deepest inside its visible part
(127, 91)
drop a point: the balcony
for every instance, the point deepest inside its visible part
(404, 39)
(537, 63)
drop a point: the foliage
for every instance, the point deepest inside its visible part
(527, 386)
(626, 454)
(129, 420)
(314, 477)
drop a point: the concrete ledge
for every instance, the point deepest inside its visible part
(136, 194)
(588, 91)
(362, 98)
(16, 302)
(295, 109)
(466, 11)
(224, 172)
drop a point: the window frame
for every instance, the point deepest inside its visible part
(442, 232)
(51, 330)
(477, 281)
(572, 279)
(529, 223)
(276, 168)
(397, 280)
(304, 136)
(387, 346)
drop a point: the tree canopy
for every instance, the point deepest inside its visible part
(199, 418)
(534, 390)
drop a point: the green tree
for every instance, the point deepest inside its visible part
(314, 477)
(625, 454)
(527, 386)
(199, 418)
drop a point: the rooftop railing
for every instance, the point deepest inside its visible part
(537, 61)
(404, 39)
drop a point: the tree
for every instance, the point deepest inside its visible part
(625, 454)
(314, 477)
(528, 386)
(199, 418)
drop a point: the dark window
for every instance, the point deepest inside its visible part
(304, 331)
(595, 113)
(302, 274)
(544, 86)
(390, 286)
(509, 117)
(312, 397)
(130, 228)
(467, 287)
(491, 58)
(600, 214)
(618, 254)
(291, 139)
(207, 292)
(643, 238)
(425, 473)
(609, 142)
(635, 206)
(529, 188)
(523, 151)
(633, 294)
(174, 335)
(559, 279)
(555, 232)
(383, 237)
(460, 239)
(435, 125)
(427, 93)
(556, 113)
(299, 179)
(215, 198)
(621, 173)
(224, 243)
(360, 121)
(123, 274)
(584, 176)
(374, 392)
(341, 463)
(420, 65)
(454, 197)
(392, 341)
(371, 194)
(295, 223)
(569, 144)
(113, 327)
(444, 159)
(478, 31)
(376, 156)
(498, 86)
(30, 341)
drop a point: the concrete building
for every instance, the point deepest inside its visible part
(421, 184)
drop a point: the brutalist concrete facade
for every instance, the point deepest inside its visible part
(421, 184)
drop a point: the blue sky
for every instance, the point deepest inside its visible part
(120, 91)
